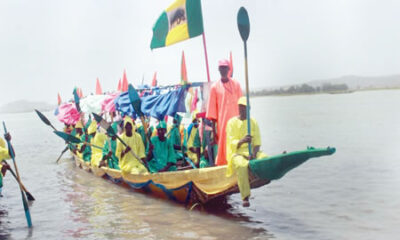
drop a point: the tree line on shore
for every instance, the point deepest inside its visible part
(302, 89)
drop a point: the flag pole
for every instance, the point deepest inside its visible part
(206, 56)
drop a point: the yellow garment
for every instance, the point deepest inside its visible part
(97, 154)
(3, 150)
(79, 124)
(236, 129)
(92, 127)
(129, 163)
(193, 156)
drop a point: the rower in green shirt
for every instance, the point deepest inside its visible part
(109, 150)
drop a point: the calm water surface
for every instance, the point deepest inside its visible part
(354, 194)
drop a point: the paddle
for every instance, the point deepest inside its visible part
(137, 104)
(244, 30)
(28, 194)
(104, 124)
(71, 139)
(24, 201)
(62, 153)
(76, 99)
(44, 119)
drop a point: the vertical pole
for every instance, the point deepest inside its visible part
(247, 94)
(205, 54)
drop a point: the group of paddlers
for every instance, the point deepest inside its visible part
(160, 148)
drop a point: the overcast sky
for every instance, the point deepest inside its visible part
(50, 46)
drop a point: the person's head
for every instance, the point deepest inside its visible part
(161, 130)
(78, 127)
(195, 120)
(223, 67)
(128, 125)
(242, 104)
(177, 119)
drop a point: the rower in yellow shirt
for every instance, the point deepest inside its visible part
(237, 149)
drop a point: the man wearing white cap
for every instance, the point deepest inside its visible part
(222, 106)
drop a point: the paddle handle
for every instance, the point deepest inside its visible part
(247, 95)
(16, 178)
(131, 151)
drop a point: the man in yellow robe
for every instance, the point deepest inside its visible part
(3, 155)
(99, 139)
(127, 162)
(237, 149)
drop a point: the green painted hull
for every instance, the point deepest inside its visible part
(275, 167)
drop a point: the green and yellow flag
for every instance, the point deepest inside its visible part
(180, 21)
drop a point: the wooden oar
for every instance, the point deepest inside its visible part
(44, 119)
(137, 104)
(106, 126)
(28, 194)
(71, 139)
(244, 30)
(24, 201)
(62, 153)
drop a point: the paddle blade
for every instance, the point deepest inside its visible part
(29, 196)
(104, 124)
(76, 99)
(67, 137)
(243, 23)
(43, 117)
(135, 100)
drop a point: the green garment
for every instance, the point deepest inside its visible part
(87, 153)
(174, 137)
(113, 161)
(203, 162)
(140, 130)
(163, 153)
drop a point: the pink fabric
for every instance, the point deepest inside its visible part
(222, 106)
(125, 84)
(67, 113)
(108, 105)
(194, 101)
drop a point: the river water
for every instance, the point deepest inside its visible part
(353, 194)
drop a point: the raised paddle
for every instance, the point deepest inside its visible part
(137, 105)
(24, 201)
(44, 119)
(71, 139)
(28, 194)
(76, 99)
(106, 126)
(244, 30)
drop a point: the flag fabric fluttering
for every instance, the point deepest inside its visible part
(230, 74)
(154, 82)
(180, 21)
(124, 86)
(194, 101)
(184, 78)
(79, 92)
(98, 87)
(119, 85)
(59, 99)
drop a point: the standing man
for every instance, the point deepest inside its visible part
(222, 106)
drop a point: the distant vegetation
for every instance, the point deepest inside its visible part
(303, 89)
(25, 106)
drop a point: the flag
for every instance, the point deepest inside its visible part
(180, 21)
(119, 85)
(154, 82)
(184, 78)
(124, 86)
(59, 99)
(98, 87)
(230, 73)
(194, 101)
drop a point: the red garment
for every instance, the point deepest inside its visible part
(222, 106)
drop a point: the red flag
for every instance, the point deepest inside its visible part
(98, 87)
(154, 82)
(80, 93)
(124, 86)
(59, 99)
(119, 85)
(184, 78)
(230, 74)
(194, 101)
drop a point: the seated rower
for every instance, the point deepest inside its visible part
(193, 142)
(237, 149)
(3, 155)
(127, 162)
(98, 139)
(85, 149)
(109, 150)
(76, 132)
(174, 136)
(161, 156)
